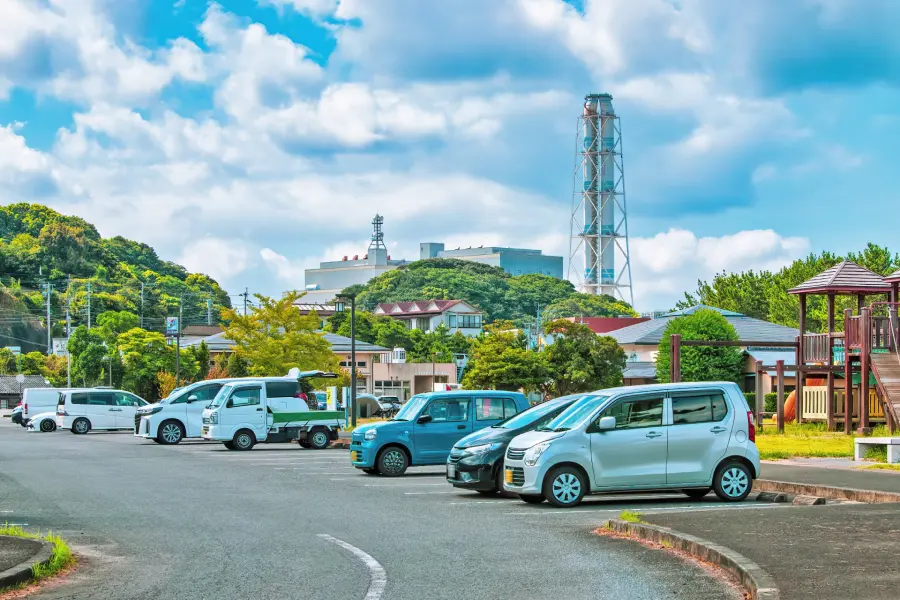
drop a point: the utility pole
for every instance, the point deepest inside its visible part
(68, 332)
(49, 328)
(178, 343)
(89, 304)
(142, 305)
(246, 294)
(209, 311)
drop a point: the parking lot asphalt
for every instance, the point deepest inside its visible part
(199, 521)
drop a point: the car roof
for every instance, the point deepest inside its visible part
(663, 387)
(470, 392)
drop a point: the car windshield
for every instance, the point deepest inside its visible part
(411, 408)
(575, 414)
(220, 397)
(176, 394)
(537, 412)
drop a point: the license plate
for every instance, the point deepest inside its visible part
(451, 471)
(354, 455)
(507, 477)
(205, 430)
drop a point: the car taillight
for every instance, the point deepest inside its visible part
(300, 395)
(751, 426)
(25, 407)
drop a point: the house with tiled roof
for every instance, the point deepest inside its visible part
(428, 315)
(641, 341)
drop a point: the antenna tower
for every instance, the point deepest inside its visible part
(377, 233)
(599, 261)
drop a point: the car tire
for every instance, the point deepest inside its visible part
(370, 471)
(392, 461)
(228, 445)
(243, 440)
(732, 481)
(304, 444)
(696, 494)
(531, 498)
(170, 432)
(81, 426)
(564, 487)
(48, 425)
(318, 438)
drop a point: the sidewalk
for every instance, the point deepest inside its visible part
(17, 555)
(834, 552)
(837, 552)
(883, 481)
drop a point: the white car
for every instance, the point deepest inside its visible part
(99, 408)
(44, 422)
(692, 437)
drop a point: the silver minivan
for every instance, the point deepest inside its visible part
(694, 437)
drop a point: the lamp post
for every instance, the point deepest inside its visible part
(339, 306)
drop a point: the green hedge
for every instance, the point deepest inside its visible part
(771, 402)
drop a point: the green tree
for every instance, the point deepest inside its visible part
(391, 333)
(587, 305)
(202, 356)
(237, 366)
(532, 292)
(144, 354)
(275, 337)
(701, 363)
(87, 350)
(578, 360)
(31, 363)
(746, 293)
(114, 322)
(500, 361)
(7, 362)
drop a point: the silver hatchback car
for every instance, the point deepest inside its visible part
(694, 437)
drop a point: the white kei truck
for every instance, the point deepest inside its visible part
(242, 415)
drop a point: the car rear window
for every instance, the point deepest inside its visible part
(282, 389)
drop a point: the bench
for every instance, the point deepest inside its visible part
(893, 447)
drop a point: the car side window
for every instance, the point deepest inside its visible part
(101, 399)
(282, 389)
(123, 399)
(245, 397)
(698, 408)
(488, 409)
(207, 392)
(448, 410)
(79, 398)
(637, 413)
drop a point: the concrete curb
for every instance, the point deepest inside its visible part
(759, 583)
(22, 572)
(834, 493)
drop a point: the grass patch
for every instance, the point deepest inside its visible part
(630, 516)
(877, 454)
(808, 440)
(881, 467)
(61, 557)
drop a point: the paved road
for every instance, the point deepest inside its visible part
(197, 521)
(885, 481)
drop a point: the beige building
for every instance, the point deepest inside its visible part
(405, 379)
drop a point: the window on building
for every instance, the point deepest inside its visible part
(401, 389)
(452, 320)
(470, 321)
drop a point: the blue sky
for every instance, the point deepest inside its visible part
(251, 139)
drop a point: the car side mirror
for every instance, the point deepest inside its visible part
(424, 419)
(606, 423)
(193, 398)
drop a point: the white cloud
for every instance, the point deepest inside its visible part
(219, 258)
(670, 263)
(315, 8)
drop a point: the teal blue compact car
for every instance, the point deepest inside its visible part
(426, 428)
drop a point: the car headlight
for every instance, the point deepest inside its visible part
(214, 418)
(534, 453)
(480, 449)
(370, 434)
(151, 411)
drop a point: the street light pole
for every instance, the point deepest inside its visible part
(353, 360)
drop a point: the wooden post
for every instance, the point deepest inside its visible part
(864, 372)
(798, 379)
(829, 407)
(779, 373)
(848, 376)
(675, 359)
(760, 396)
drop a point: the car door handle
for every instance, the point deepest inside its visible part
(460, 426)
(259, 409)
(718, 429)
(654, 434)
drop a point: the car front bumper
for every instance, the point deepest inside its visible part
(363, 453)
(479, 477)
(520, 479)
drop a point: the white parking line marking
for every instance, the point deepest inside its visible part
(377, 574)
(426, 493)
(645, 511)
(397, 484)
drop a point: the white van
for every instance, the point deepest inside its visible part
(38, 400)
(180, 415)
(82, 410)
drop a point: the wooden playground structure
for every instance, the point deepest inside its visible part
(868, 346)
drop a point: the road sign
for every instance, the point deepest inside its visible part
(171, 325)
(60, 346)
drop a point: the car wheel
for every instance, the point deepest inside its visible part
(531, 499)
(228, 445)
(81, 426)
(732, 481)
(319, 439)
(564, 487)
(392, 462)
(48, 425)
(243, 440)
(170, 432)
(370, 471)
(304, 444)
(696, 494)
